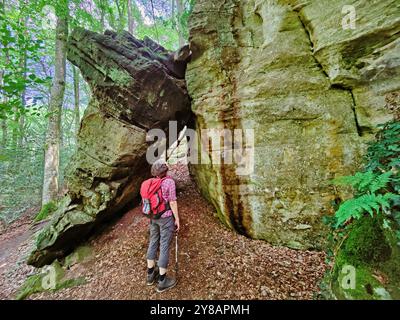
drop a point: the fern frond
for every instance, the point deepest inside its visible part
(380, 182)
(355, 180)
(365, 181)
(370, 203)
(367, 178)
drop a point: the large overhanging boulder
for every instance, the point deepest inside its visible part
(136, 86)
(312, 90)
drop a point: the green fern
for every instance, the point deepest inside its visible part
(365, 181)
(380, 182)
(356, 207)
(366, 184)
(384, 153)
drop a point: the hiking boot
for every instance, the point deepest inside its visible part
(166, 284)
(152, 277)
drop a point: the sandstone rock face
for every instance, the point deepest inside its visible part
(313, 93)
(136, 85)
(309, 91)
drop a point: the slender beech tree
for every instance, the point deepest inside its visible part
(121, 14)
(130, 17)
(4, 138)
(52, 146)
(179, 6)
(76, 99)
(23, 65)
(4, 130)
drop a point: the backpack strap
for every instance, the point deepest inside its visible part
(162, 179)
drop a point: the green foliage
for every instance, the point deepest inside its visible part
(19, 51)
(384, 154)
(46, 210)
(366, 185)
(365, 181)
(183, 19)
(365, 226)
(162, 31)
(356, 207)
(27, 45)
(375, 192)
(21, 166)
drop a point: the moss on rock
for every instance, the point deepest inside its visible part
(371, 252)
(31, 285)
(46, 211)
(366, 243)
(50, 279)
(80, 254)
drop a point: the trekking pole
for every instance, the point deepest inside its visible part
(176, 254)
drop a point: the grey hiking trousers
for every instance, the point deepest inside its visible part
(161, 233)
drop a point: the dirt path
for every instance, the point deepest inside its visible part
(15, 243)
(214, 262)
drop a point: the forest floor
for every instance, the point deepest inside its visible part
(214, 262)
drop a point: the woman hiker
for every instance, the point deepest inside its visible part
(162, 231)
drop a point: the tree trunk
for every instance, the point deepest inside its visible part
(76, 99)
(14, 130)
(21, 120)
(179, 7)
(21, 131)
(172, 8)
(4, 139)
(130, 17)
(4, 131)
(101, 5)
(52, 147)
(120, 15)
(102, 21)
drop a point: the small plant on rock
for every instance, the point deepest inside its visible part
(377, 186)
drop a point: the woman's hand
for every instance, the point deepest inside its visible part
(174, 208)
(177, 225)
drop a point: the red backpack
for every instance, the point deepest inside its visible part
(153, 203)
